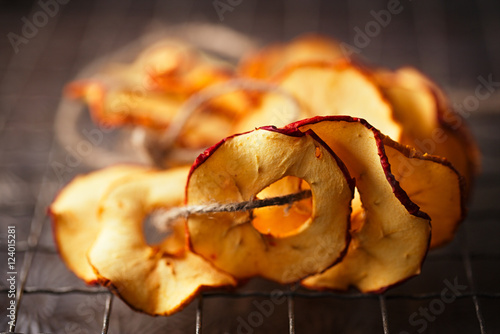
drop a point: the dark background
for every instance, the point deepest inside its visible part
(453, 42)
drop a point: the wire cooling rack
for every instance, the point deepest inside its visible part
(428, 35)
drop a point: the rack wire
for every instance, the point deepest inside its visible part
(109, 25)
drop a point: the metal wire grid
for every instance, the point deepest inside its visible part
(33, 246)
(291, 294)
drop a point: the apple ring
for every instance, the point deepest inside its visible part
(430, 124)
(74, 216)
(149, 279)
(269, 61)
(241, 166)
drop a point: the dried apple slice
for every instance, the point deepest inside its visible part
(148, 278)
(179, 69)
(272, 59)
(433, 184)
(232, 105)
(391, 237)
(203, 130)
(272, 109)
(74, 216)
(427, 120)
(113, 103)
(339, 88)
(241, 166)
(123, 94)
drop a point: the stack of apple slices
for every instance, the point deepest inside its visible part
(359, 206)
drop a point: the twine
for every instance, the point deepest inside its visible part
(164, 218)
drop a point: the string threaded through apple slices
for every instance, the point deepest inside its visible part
(241, 166)
(163, 218)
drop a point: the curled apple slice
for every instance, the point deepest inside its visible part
(118, 103)
(181, 69)
(338, 88)
(237, 169)
(428, 121)
(390, 238)
(271, 109)
(74, 216)
(433, 184)
(272, 59)
(148, 278)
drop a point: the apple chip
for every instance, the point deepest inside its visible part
(74, 216)
(193, 71)
(237, 169)
(391, 237)
(338, 88)
(272, 109)
(116, 103)
(148, 278)
(180, 68)
(272, 59)
(427, 120)
(433, 184)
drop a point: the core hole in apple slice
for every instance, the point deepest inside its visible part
(283, 220)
